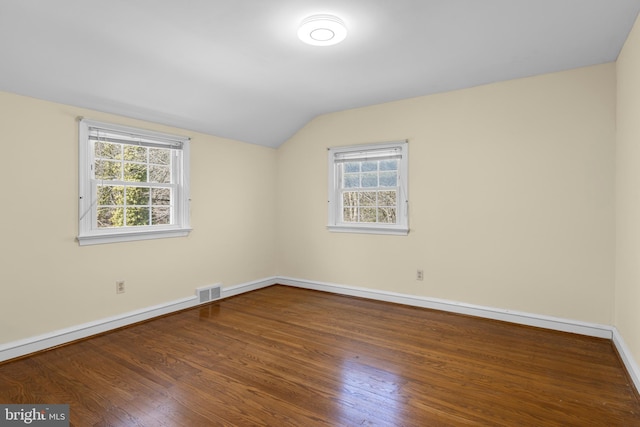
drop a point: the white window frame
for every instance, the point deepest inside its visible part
(89, 233)
(336, 223)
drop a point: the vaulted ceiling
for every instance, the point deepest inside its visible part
(236, 69)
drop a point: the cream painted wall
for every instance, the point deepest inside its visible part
(511, 189)
(511, 192)
(627, 291)
(48, 282)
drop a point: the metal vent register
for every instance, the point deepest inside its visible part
(209, 293)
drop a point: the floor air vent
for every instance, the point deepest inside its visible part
(208, 293)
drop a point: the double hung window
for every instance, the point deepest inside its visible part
(368, 188)
(133, 184)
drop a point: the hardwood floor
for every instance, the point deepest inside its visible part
(282, 356)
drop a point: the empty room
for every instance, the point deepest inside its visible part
(320, 213)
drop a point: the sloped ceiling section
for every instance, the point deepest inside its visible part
(236, 68)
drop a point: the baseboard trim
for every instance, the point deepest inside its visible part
(522, 318)
(627, 358)
(248, 287)
(34, 344)
(20, 348)
(24, 347)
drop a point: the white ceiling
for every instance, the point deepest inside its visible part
(235, 68)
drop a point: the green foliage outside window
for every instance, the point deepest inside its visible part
(123, 199)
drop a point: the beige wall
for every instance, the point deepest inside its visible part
(627, 291)
(511, 189)
(48, 282)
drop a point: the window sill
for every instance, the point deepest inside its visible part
(395, 231)
(130, 236)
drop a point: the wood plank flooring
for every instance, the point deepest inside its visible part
(283, 356)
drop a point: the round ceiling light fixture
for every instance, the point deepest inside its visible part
(322, 30)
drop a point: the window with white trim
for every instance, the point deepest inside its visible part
(368, 188)
(134, 184)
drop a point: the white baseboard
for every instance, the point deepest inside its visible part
(627, 358)
(30, 345)
(247, 287)
(522, 318)
(41, 342)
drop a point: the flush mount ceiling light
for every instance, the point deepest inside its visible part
(322, 30)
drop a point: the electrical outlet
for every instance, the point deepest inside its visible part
(420, 275)
(120, 287)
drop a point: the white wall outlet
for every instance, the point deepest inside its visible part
(420, 275)
(120, 287)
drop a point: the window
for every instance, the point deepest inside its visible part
(134, 184)
(368, 188)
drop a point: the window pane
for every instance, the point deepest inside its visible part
(387, 198)
(366, 184)
(161, 174)
(110, 195)
(135, 172)
(160, 215)
(369, 166)
(137, 196)
(134, 184)
(135, 153)
(387, 215)
(352, 167)
(367, 214)
(350, 214)
(107, 150)
(367, 198)
(352, 181)
(159, 156)
(160, 196)
(370, 179)
(108, 170)
(389, 165)
(137, 216)
(350, 198)
(110, 217)
(388, 179)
